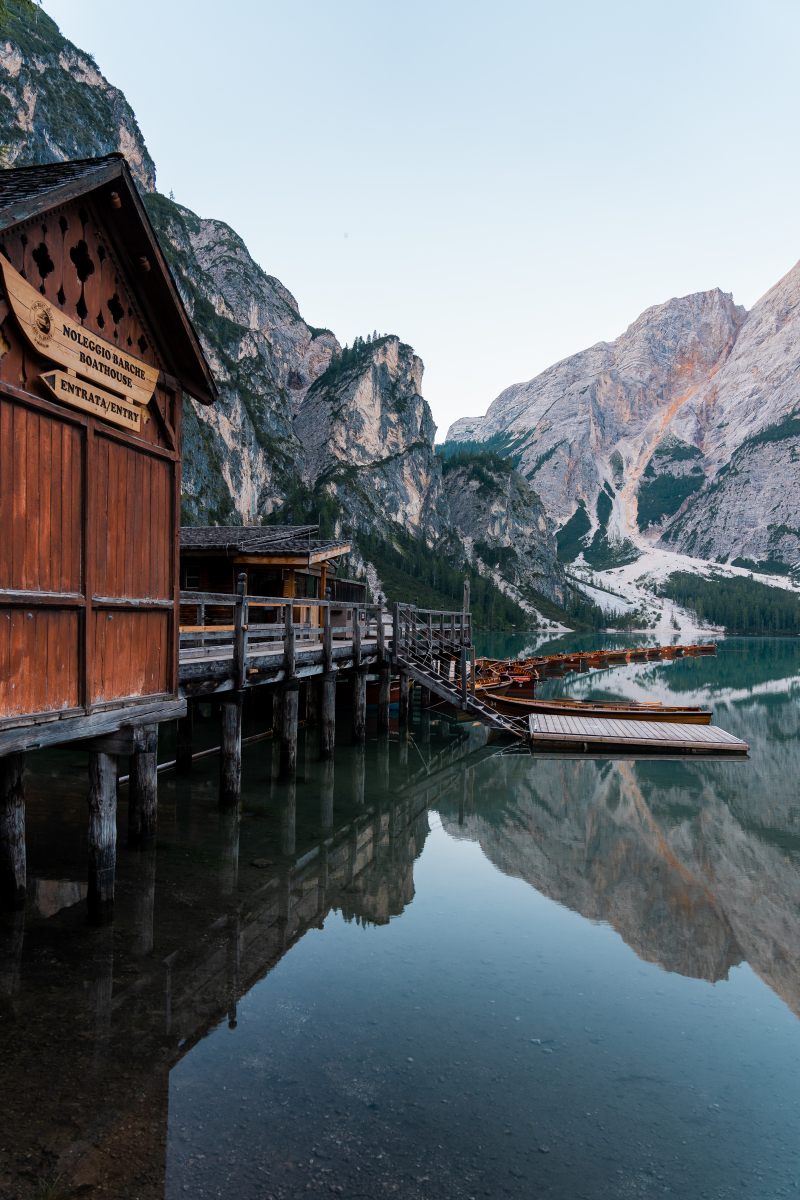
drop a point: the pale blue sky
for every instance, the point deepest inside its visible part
(516, 181)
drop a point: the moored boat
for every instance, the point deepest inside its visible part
(625, 711)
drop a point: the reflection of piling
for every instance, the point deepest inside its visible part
(359, 771)
(289, 702)
(289, 821)
(326, 799)
(12, 831)
(403, 747)
(229, 849)
(101, 991)
(102, 835)
(462, 802)
(12, 936)
(383, 763)
(425, 727)
(327, 727)
(232, 967)
(144, 902)
(143, 789)
(230, 763)
(470, 789)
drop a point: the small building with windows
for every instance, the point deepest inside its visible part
(288, 561)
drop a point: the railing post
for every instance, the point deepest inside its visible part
(381, 636)
(395, 631)
(289, 643)
(464, 678)
(240, 634)
(327, 641)
(356, 637)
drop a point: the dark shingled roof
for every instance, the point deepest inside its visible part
(20, 185)
(27, 192)
(259, 539)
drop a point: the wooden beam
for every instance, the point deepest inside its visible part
(102, 836)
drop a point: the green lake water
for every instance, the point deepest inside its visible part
(444, 968)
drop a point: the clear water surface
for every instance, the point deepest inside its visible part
(440, 969)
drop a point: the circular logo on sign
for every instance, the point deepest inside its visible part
(42, 322)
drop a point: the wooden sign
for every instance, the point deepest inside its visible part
(93, 399)
(57, 337)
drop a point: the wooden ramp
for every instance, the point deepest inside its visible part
(553, 731)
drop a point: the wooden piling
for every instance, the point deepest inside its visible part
(102, 836)
(327, 726)
(403, 747)
(12, 832)
(311, 701)
(359, 705)
(424, 697)
(230, 760)
(404, 698)
(384, 696)
(185, 740)
(143, 789)
(289, 699)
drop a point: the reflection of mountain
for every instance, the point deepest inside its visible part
(695, 864)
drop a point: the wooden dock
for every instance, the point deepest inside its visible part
(556, 731)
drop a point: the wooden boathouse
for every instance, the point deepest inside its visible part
(96, 352)
(287, 561)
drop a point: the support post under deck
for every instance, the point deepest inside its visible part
(359, 705)
(403, 705)
(185, 740)
(230, 762)
(289, 699)
(143, 789)
(327, 726)
(384, 696)
(12, 831)
(102, 837)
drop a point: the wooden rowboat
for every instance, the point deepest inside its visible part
(519, 706)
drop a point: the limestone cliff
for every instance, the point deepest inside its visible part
(55, 104)
(240, 456)
(592, 423)
(503, 523)
(367, 436)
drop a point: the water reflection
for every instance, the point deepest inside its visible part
(428, 969)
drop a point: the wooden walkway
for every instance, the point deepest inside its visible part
(588, 734)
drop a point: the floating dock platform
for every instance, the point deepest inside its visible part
(556, 731)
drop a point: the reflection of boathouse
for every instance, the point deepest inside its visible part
(113, 1038)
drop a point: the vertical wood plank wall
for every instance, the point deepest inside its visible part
(89, 514)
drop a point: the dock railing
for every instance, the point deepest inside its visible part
(261, 622)
(437, 641)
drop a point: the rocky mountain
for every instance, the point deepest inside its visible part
(503, 524)
(56, 105)
(302, 426)
(682, 433)
(241, 455)
(368, 441)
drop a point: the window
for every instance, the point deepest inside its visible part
(191, 579)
